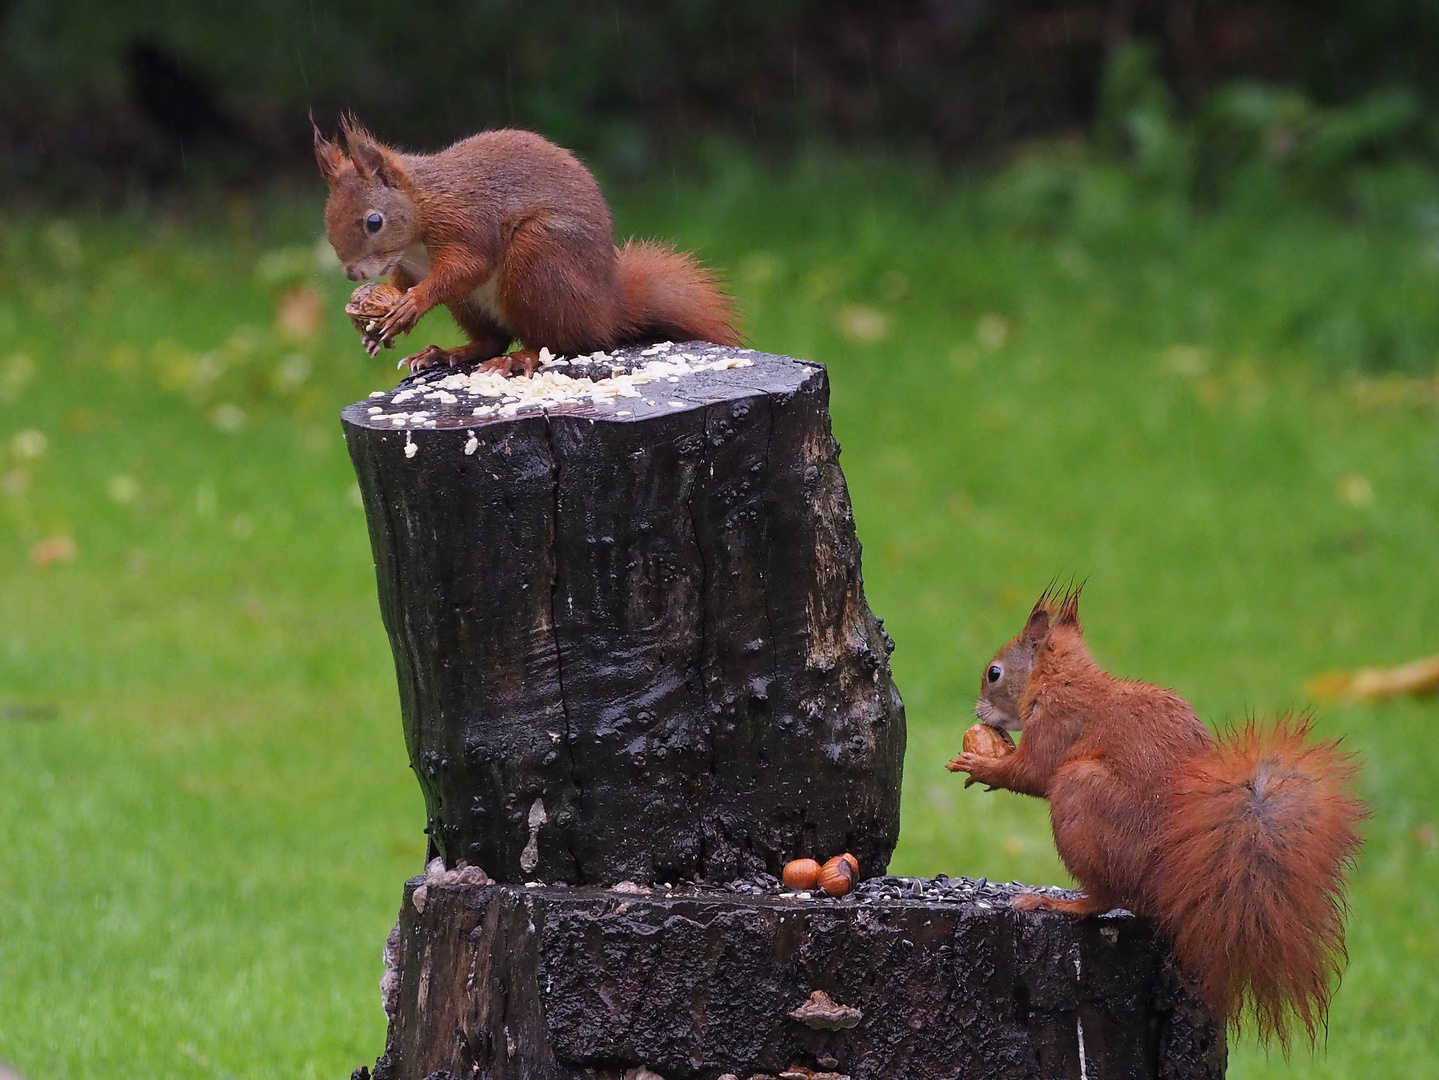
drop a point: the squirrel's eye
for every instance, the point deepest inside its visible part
(994, 672)
(374, 221)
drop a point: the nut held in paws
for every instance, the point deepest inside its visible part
(987, 741)
(371, 301)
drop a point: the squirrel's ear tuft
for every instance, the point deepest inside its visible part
(327, 155)
(1069, 607)
(1038, 624)
(1047, 602)
(351, 128)
(372, 160)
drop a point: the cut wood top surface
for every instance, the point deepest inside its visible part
(974, 895)
(627, 385)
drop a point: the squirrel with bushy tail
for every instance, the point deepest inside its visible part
(1236, 846)
(512, 234)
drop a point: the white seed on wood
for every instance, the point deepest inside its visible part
(549, 388)
(530, 856)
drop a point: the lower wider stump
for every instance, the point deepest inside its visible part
(512, 983)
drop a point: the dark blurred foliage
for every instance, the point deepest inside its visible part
(151, 92)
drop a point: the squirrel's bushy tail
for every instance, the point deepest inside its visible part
(666, 295)
(1251, 882)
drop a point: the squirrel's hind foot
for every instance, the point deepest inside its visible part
(432, 356)
(520, 362)
(426, 358)
(1080, 907)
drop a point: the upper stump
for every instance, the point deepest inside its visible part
(630, 631)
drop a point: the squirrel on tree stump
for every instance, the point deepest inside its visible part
(512, 234)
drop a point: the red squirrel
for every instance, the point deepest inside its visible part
(1236, 847)
(512, 234)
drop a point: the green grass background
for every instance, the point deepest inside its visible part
(1226, 423)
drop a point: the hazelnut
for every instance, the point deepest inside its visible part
(988, 741)
(801, 874)
(371, 301)
(836, 877)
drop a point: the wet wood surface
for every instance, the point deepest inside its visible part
(935, 980)
(635, 647)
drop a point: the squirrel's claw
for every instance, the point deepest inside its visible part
(957, 766)
(400, 319)
(976, 765)
(520, 362)
(426, 358)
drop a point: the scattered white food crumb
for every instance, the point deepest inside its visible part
(376, 410)
(676, 404)
(551, 388)
(410, 448)
(471, 444)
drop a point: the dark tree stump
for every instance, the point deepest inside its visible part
(512, 983)
(634, 647)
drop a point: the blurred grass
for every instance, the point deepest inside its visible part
(1225, 422)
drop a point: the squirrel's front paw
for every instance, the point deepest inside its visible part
(400, 319)
(980, 768)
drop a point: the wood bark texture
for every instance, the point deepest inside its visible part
(505, 982)
(635, 647)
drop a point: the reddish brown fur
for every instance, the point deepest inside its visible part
(667, 295)
(1251, 884)
(519, 243)
(1236, 849)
